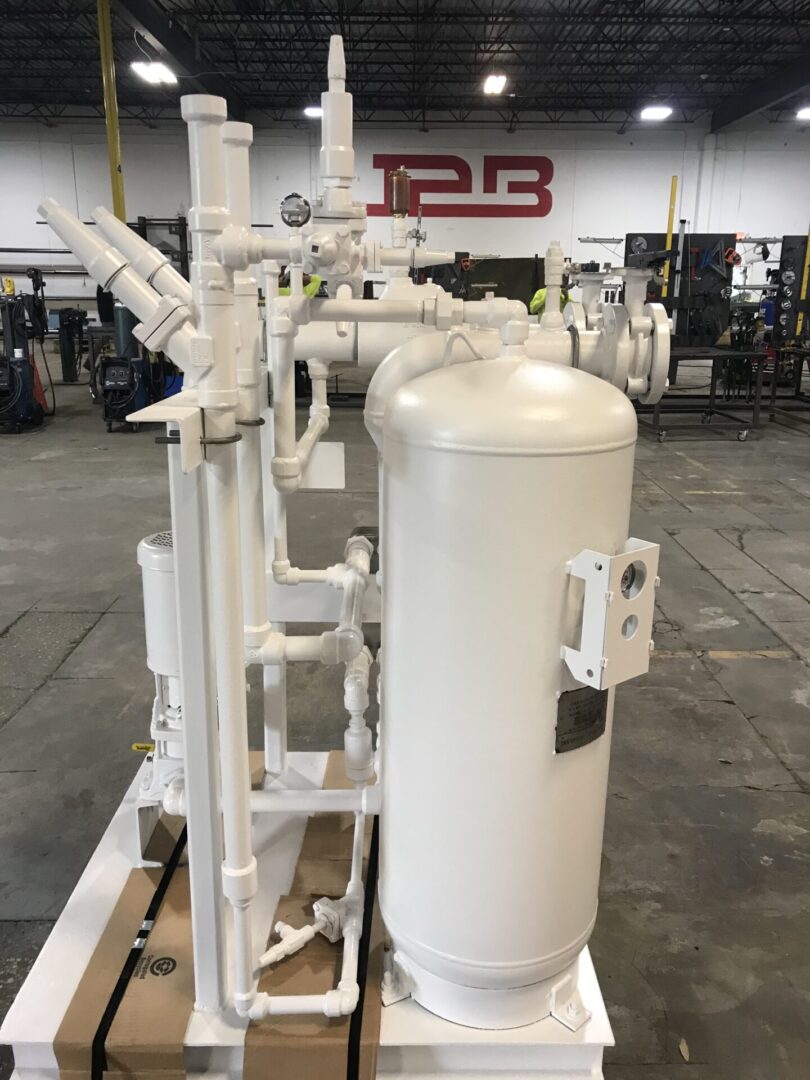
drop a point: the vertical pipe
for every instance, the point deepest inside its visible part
(111, 108)
(673, 191)
(281, 341)
(275, 716)
(275, 678)
(199, 708)
(218, 395)
(237, 139)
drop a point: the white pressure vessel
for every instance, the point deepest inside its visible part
(496, 473)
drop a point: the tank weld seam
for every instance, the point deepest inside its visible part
(506, 451)
(406, 940)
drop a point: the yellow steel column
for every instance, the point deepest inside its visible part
(673, 191)
(803, 291)
(111, 108)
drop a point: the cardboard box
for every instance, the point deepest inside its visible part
(146, 1037)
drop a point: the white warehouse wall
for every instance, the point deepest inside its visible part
(753, 180)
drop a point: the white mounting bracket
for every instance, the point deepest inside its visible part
(617, 614)
(396, 983)
(180, 409)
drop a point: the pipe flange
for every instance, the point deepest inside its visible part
(659, 347)
(617, 347)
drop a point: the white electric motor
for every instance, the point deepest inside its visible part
(156, 560)
(496, 474)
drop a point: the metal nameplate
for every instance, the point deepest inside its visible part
(581, 718)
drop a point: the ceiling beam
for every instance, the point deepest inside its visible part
(175, 45)
(791, 79)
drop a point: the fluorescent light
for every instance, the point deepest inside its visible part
(153, 71)
(314, 111)
(655, 112)
(803, 113)
(494, 84)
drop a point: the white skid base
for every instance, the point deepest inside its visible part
(414, 1044)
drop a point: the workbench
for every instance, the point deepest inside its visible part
(795, 400)
(727, 397)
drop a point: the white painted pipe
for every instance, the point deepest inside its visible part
(237, 139)
(416, 357)
(274, 683)
(217, 390)
(394, 311)
(357, 742)
(285, 467)
(317, 426)
(112, 271)
(342, 1001)
(365, 798)
(144, 258)
(414, 257)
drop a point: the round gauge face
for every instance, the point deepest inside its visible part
(788, 274)
(638, 245)
(783, 320)
(787, 291)
(786, 305)
(295, 210)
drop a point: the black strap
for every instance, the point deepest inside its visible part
(99, 1051)
(356, 1023)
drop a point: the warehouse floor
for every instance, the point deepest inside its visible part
(703, 936)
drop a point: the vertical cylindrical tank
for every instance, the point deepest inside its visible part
(495, 474)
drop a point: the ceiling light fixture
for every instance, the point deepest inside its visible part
(494, 84)
(803, 113)
(313, 111)
(655, 112)
(154, 72)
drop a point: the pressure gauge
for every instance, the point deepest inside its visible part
(787, 291)
(788, 277)
(786, 305)
(783, 320)
(295, 210)
(639, 245)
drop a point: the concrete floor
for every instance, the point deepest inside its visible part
(703, 939)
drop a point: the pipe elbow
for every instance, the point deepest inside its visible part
(348, 644)
(341, 1001)
(174, 798)
(252, 1006)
